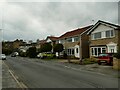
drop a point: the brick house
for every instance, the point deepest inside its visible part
(104, 37)
(75, 42)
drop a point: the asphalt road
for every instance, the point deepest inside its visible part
(46, 74)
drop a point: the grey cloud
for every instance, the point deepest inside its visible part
(37, 20)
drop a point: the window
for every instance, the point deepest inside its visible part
(103, 50)
(70, 51)
(97, 35)
(95, 51)
(104, 34)
(61, 41)
(109, 33)
(92, 36)
(111, 49)
(76, 50)
(112, 33)
(76, 39)
(69, 39)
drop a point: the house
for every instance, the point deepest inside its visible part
(17, 43)
(75, 42)
(39, 43)
(52, 40)
(104, 37)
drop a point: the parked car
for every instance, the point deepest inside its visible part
(3, 56)
(46, 55)
(105, 58)
(14, 54)
(40, 55)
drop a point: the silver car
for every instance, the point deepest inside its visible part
(2, 56)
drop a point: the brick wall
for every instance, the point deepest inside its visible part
(116, 64)
(85, 45)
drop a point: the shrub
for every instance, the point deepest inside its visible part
(7, 51)
(58, 48)
(31, 52)
(46, 47)
(117, 55)
(89, 61)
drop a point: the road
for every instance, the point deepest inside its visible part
(47, 74)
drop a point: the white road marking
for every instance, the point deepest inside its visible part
(20, 84)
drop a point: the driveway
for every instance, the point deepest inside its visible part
(102, 69)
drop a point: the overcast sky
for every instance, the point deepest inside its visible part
(37, 20)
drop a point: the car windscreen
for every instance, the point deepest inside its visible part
(103, 54)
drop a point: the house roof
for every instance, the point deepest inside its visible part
(105, 23)
(52, 38)
(74, 32)
(42, 41)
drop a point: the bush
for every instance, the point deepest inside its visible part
(7, 51)
(89, 61)
(31, 52)
(46, 47)
(117, 55)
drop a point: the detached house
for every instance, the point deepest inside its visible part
(51, 39)
(104, 37)
(75, 42)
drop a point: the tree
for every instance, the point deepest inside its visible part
(58, 48)
(31, 52)
(117, 55)
(46, 47)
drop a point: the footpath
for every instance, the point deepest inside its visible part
(102, 69)
(7, 79)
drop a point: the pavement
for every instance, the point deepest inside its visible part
(8, 80)
(102, 69)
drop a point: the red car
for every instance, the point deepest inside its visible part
(105, 58)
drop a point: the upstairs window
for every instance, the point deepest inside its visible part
(76, 39)
(69, 39)
(109, 33)
(104, 34)
(97, 35)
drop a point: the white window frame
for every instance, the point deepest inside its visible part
(103, 35)
(110, 47)
(69, 39)
(69, 51)
(75, 39)
(93, 48)
(110, 33)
